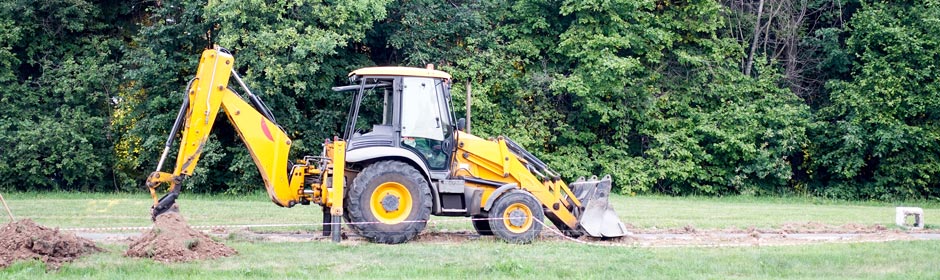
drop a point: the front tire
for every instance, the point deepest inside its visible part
(516, 217)
(389, 202)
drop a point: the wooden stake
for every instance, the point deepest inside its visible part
(8, 208)
(468, 105)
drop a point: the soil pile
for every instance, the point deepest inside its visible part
(172, 240)
(25, 239)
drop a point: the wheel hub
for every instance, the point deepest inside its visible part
(517, 218)
(390, 203)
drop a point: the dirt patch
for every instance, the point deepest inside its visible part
(172, 240)
(446, 236)
(814, 227)
(786, 228)
(787, 234)
(685, 236)
(24, 239)
(721, 239)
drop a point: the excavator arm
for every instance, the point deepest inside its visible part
(267, 142)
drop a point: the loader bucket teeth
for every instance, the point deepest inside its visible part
(598, 218)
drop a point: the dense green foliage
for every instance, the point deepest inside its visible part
(832, 98)
(881, 131)
(59, 67)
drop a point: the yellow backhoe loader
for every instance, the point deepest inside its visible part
(402, 158)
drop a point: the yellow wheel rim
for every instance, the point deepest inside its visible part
(391, 203)
(517, 218)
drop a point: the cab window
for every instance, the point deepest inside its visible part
(423, 125)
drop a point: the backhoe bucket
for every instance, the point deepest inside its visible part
(598, 218)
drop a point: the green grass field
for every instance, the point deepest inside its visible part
(496, 260)
(490, 259)
(68, 210)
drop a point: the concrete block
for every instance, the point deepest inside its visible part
(901, 214)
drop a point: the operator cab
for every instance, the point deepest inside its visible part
(402, 107)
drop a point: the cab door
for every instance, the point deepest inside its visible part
(426, 124)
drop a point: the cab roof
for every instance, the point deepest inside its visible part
(399, 71)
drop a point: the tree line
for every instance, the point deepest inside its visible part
(833, 98)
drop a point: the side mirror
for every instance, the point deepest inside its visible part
(462, 124)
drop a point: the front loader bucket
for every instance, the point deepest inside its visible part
(598, 218)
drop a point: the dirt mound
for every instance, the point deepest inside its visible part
(172, 240)
(25, 239)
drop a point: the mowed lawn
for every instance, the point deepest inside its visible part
(488, 259)
(491, 259)
(73, 210)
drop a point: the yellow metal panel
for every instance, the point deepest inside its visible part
(487, 160)
(504, 155)
(339, 172)
(269, 147)
(298, 173)
(204, 100)
(400, 71)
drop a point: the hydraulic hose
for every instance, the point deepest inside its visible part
(176, 125)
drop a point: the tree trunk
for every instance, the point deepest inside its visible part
(750, 56)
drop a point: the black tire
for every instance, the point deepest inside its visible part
(482, 226)
(516, 217)
(401, 223)
(346, 212)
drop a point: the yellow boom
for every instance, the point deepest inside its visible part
(268, 144)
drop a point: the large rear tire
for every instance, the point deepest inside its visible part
(389, 202)
(516, 217)
(482, 226)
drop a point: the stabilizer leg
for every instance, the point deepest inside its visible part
(327, 218)
(336, 221)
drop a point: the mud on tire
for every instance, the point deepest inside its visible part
(401, 208)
